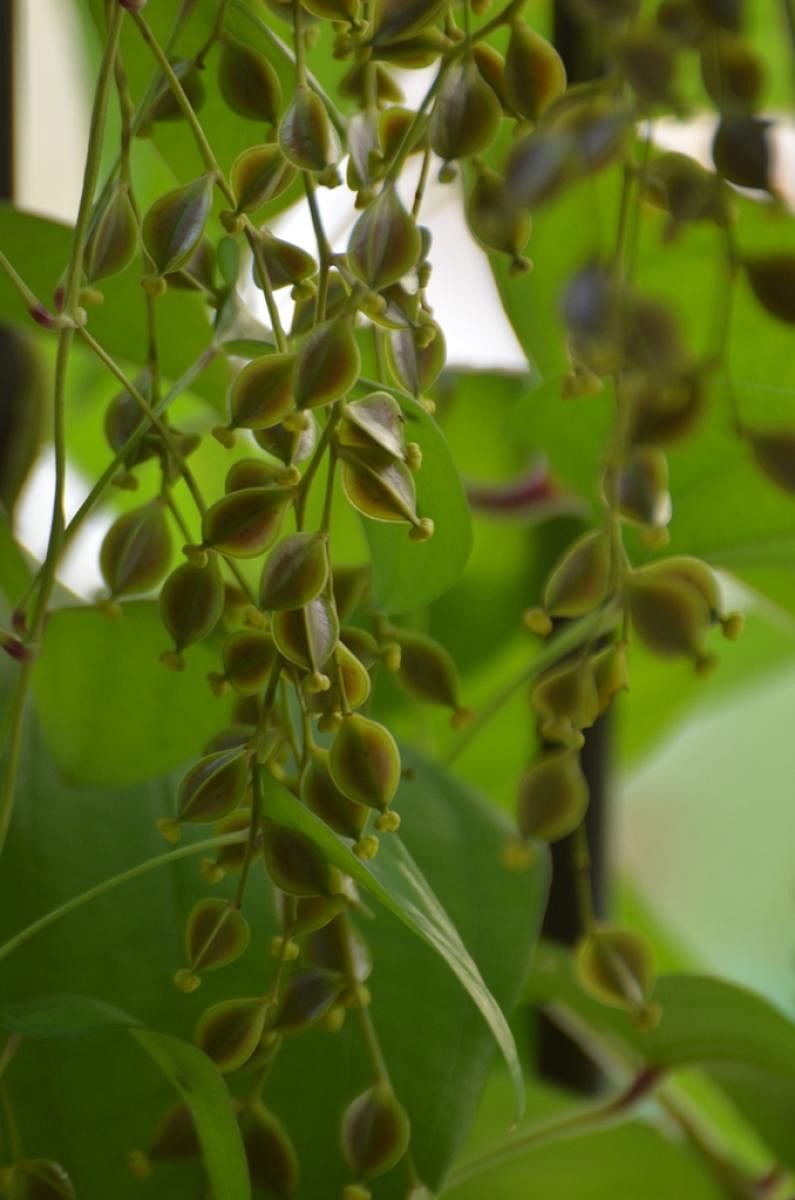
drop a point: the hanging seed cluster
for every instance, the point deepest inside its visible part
(299, 639)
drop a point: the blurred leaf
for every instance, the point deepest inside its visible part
(63, 1016)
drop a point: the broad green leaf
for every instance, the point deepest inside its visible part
(63, 1016)
(409, 575)
(111, 712)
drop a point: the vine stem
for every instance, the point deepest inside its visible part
(65, 340)
(109, 885)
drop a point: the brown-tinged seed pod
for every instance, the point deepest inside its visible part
(663, 410)
(175, 1137)
(257, 472)
(378, 485)
(306, 135)
(320, 793)
(308, 996)
(352, 677)
(642, 487)
(596, 128)
(398, 19)
(337, 304)
(230, 1032)
(136, 550)
(287, 265)
(579, 582)
(686, 191)
(291, 445)
(173, 226)
(191, 603)
(354, 84)
(393, 126)
(615, 966)
(123, 416)
(669, 615)
(427, 671)
(164, 105)
(112, 236)
(262, 393)
(609, 667)
(534, 72)
(213, 787)
(539, 167)
(294, 862)
(362, 643)
(259, 175)
(216, 934)
(270, 1154)
(231, 858)
(296, 571)
(351, 589)
(385, 243)
(721, 14)
(647, 58)
(334, 10)
(553, 797)
(327, 365)
(376, 419)
(306, 636)
(244, 524)
(198, 273)
(39, 1179)
(248, 658)
(466, 114)
(248, 83)
(772, 278)
(339, 946)
(491, 65)
(413, 53)
(774, 451)
(416, 356)
(495, 221)
(313, 912)
(567, 702)
(365, 762)
(741, 150)
(375, 1132)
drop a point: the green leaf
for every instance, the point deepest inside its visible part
(63, 1016)
(408, 575)
(111, 712)
(201, 1086)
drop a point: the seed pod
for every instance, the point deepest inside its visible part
(375, 1132)
(642, 487)
(39, 1179)
(539, 167)
(428, 672)
(553, 797)
(136, 550)
(416, 356)
(112, 236)
(320, 793)
(175, 1137)
(378, 485)
(378, 420)
(774, 451)
(256, 472)
(294, 862)
(271, 1157)
(491, 65)
(296, 571)
(351, 588)
(495, 221)
(306, 636)
(352, 676)
(262, 393)
(123, 416)
(213, 787)
(164, 105)
(217, 933)
(413, 53)
(173, 226)
(308, 996)
(722, 14)
(339, 946)
(772, 278)
(566, 699)
(337, 305)
(248, 658)
(306, 135)
(287, 265)
(399, 19)
(327, 365)
(354, 85)
(365, 762)
(259, 175)
(609, 667)
(648, 62)
(732, 71)
(291, 445)
(248, 83)
(741, 151)
(669, 615)
(677, 184)
(244, 524)
(393, 126)
(198, 273)
(467, 114)
(615, 966)
(21, 412)
(230, 1032)
(384, 244)
(664, 411)
(191, 603)
(579, 582)
(313, 912)
(596, 128)
(534, 72)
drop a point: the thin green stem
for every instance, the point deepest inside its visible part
(300, 45)
(109, 885)
(266, 287)
(253, 830)
(217, 30)
(8, 1052)
(12, 1128)
(311, 470)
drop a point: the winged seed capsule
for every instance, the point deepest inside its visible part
(248, 83)
(375, 1132)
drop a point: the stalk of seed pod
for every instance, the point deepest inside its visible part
(248, 83)
(191, 604)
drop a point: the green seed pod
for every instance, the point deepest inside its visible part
(467, 114)
(198, 273)
(351, 589)
(413, 53)
(354, 85)
(688, 193)
(665, 411)
(375, 1132)
(615, 966)
(352, 677)
(191, 603)
(378, 420)
(308, 996)
(217, 933)
(534, 72)
(271, 1157)
(722, 14)
(164, 105)
(307, 636)
(296, 571)
(173, 226)
(290, 445)
(491, 65)
(294, 862)
(399, 19)
(230, 1032)
(213, 787)
(262, 393)
(327, 365)
(416, 356)
(112, 236)
(741, 151)
(378, 485)
(287, 265)
(259, 175)
(642, 487)
(579, 582)
(313, 912)
(393, 126)
(175, 1137)
(647, 60)
(244, 524)
(774, 451)
(610, 675)
(365, 762)
(567, 702)
(539, 167)
(39, 1179)
(340, 947)
(123, 416)
(361, 643)
(248, 83)
(553, 797)
(428, 672)
(772, 278)
(136, 550)
(595, 127)
(306, 135)
(337, 305)
(385, 243)
(248, 657)
(21, 411)
(256, 472)
(669, 615)
(732, 71)
(320, 793)
(495, 221)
